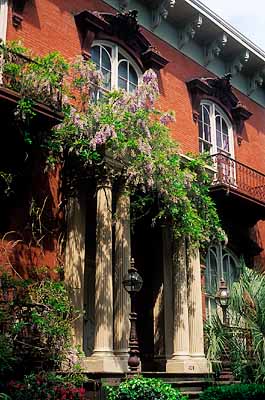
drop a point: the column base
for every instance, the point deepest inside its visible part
(189, 365)
(110, 364)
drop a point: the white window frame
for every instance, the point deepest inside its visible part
(116, 49)
(213, 135)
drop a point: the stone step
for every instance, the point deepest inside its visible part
(192, 395)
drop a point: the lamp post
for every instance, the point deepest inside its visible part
(132, 283)
(222, 298)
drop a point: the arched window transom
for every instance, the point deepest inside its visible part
(118, 69)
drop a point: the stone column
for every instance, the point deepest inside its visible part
(102, 359)
(103, 280)
(195, 311)
(167, 290)
(180, 357)
(122, 264)
(75, 260)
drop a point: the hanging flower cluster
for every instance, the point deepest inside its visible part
(135, 133)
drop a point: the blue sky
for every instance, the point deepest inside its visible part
(247, 16)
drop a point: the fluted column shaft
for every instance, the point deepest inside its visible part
(122, 262)
(75, 259)
(181, 320)
(195, 304)
(167, 289)
(103, 278)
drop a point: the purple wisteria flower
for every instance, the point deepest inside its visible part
(166, 118)
(102, 135)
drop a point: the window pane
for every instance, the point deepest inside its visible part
(95, 55)
(224, 127)
(218, 123)
(226, 143)
(132, 87)
(122, 84)
(133, 76)
(105, 62)
(206, 114)
(106, 78)
(207, 132)
(219, 139)
(123, 69)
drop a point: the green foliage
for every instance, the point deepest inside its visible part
(35, 325)
(36, 78)
(128, 129)
(123, 127)
(234, 392)
(139, 388)
(45, 386)
(6, 180)
(244, 341)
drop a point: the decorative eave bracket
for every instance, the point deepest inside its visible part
(160, 11)
(17, 12)
(256, 81)
(238, 63)
(215, 48)
(189, 31)
(122, 26)
(219, 90)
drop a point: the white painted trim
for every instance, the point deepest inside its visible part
(3, 19)
(214, 107)
(226, 27)
(115, 61)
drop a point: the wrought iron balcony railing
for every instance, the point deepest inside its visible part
(239, 177)
(26, 77)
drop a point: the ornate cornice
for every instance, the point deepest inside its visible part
(220, 91)
(123, 28)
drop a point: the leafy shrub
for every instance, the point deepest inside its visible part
(44, 387)
(140, 388)
(234, 392)
(35, 325)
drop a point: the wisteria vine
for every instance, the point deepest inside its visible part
(136, 134)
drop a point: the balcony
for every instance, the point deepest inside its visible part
(17, 80)
(239, 187)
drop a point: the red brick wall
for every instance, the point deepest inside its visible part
(49, 25)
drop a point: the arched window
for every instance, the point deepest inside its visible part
(118, 69)
(215, 130)
(221, 263)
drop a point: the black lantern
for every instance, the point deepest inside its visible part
(223, 298)
(132, 283)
